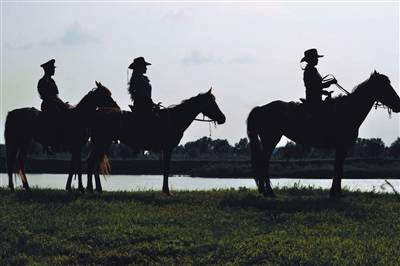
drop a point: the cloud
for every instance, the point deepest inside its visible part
(198, 58)
(74, 35)
(243, 59)
(178, 16)
(13, 46)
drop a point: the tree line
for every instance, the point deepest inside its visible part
(206, 148)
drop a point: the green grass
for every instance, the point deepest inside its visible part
(302, 226)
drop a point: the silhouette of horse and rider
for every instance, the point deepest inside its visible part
(59, 125)
(332, 123)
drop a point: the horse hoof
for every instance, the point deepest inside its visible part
(335, 194)
(82, 190)
(167, 192)
(269, 194)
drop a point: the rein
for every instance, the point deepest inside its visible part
(376, 104)
(209, 121)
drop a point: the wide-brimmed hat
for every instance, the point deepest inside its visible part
(49, 64)
(310, 54)
(138, 61)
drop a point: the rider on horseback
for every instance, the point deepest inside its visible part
(313, 81)
(140, 88)
(48, 90)
(54, 109)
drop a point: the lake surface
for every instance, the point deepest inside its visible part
(154, 182)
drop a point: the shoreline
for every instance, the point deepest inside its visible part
(300, 169)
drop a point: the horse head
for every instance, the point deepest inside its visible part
(210, 108)
(385, 93)
(98, 97)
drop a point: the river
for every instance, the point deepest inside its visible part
(154, 182)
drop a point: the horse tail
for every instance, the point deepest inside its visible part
(253, 122)
(104, 165)
(11, 142)
(17, 139)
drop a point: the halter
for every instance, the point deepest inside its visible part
(209, 121)
(377, 104)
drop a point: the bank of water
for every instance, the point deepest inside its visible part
(154, 182)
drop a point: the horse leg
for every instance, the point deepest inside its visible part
(90, 169)
(336, 189)
(94, 165)
(102, 164)
(70, 173)
(268, 143)
(79, 170)
(12, 151)
(21, 160)
(166, 154)
(99, 188)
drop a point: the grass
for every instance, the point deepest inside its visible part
(302, 226)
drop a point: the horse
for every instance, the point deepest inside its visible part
(24, 125)
(162, 133)
(334, 127)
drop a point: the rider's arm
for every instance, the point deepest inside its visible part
(329, 83)
(323, 92)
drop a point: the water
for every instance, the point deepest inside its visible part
(154, 182)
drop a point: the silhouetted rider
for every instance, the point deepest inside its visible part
(313, 81)
(140, 88)
(48, 91)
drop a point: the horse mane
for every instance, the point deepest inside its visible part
(358, 87)
(84, 98)
(186, 101)
(108, 92)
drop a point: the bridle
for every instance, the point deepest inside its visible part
(209, 121)
(377, 104)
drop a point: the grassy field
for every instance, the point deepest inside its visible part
(302, 226)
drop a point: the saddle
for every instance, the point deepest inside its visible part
(54, 129)
(306, 114)
(327, 107)
(144, 123)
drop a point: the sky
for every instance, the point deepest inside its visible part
(249, 52)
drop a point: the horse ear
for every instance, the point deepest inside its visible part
(97, 84)
(210, 90)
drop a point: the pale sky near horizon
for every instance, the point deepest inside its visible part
(249, 52)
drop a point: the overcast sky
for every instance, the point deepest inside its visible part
(248, 52)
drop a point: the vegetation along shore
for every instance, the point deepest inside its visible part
(301, 226)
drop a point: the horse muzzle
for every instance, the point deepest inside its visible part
(221, 120)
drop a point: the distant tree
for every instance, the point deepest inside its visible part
(199, 147)
(394, 149)
(321, 153)
(221, 147)
(242, 147)
(293, 150)
(35, 149)
(179, 149)
(373, 147)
